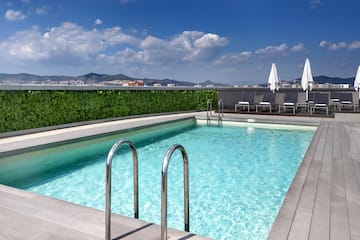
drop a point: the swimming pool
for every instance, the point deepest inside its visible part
(235, 192)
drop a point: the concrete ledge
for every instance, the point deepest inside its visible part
(43, 138)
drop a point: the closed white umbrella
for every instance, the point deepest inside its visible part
(357, 81)
(273, 80)
(307, 79)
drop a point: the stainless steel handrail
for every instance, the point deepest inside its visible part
(208, 109)
(166, 162)
(220, 110)
(111, 154)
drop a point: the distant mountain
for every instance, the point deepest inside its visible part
(97, 78)
(332, 80)
(165, 82)
(92, 78)
(23, 78)
(211, 83)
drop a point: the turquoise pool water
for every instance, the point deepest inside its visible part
(238, 178)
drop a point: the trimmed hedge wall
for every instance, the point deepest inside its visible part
(40, 108)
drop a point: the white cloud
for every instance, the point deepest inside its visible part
(67, 41)
(314, 3)
(354, 45)
(337, 46)
(298, 48)
(127, 56)
(114, 36)
(70, 42)
(98, 21)
(235, 57)
(189, 46)
(23, 45)
(42, 10)
(341, 45)
(151, 42)
(273, 50)
(194, 45)
(324, 44)
(12, 15)
(209, 40)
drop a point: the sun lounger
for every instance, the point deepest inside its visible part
(335, 100)
(321, 102)
(311, 98)
(247, 99)
(290, 102)
(268, 102)
(301, 102)
(346, 101)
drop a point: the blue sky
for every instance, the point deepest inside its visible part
(232, 41)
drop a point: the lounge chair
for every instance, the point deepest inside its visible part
(268, 101)
(311, 98)
(346, 101)
(334, 96)
(335, 100)
(301, 102)
(247, 99)
(290, 102)
(321, 102)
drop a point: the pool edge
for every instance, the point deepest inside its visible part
(275, 121)
(58, 219)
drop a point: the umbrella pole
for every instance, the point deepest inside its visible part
(307, 108)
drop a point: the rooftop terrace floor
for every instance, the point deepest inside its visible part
(323, 201)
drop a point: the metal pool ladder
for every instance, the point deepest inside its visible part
(111, 154)
(208, 110)
(164, 171)
(220, 111)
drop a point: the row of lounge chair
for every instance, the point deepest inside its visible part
(295, 101)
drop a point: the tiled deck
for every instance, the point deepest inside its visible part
(323, 201)
(25, 215)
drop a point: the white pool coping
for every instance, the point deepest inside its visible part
(254, 124)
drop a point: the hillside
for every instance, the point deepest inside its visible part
(333, 80)
(92, 78)
(96, 78)
(23, 78)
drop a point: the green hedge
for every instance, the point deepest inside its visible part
(32, 109)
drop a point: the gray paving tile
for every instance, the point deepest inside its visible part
(339, 221)
(320, 223)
